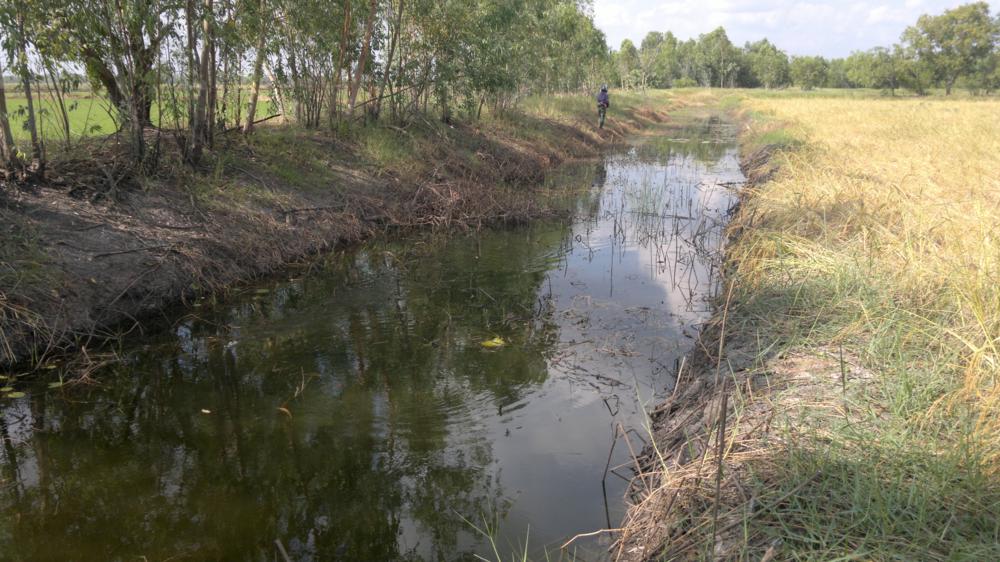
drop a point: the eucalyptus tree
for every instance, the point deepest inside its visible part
(119, 44)
(395, 22)
(492, 33)
(363, 55)
(666, 61)
(687, 57)
(769, 65)
(255, 23)
(304, 55)
(16, 26)
(203, 60)
(10, 162)
(718, 59)
(572, 48)
(444, 24)
(648, 51)
(183, 62)
(627, 63)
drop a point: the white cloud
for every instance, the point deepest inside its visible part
(813, 27)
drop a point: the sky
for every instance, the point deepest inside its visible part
(830, 29)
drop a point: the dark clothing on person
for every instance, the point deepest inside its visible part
(603, 103)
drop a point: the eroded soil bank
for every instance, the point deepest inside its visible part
(79, 268)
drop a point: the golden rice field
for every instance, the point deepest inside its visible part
(907, 195)
(878, 236)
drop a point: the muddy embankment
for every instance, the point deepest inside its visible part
(673, 510)
(80, 266)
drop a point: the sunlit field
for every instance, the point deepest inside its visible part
(880, 236)
(89, 115)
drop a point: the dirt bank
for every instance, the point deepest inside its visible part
(80, 266)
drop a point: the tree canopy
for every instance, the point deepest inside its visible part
(959, 46)
(193, 68)
(190, 69)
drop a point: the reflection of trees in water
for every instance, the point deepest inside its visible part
(585, 183)
(600, 174)
(384, 434)
(706, 142)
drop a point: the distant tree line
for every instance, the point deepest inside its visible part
(191, 69)
(960, 47)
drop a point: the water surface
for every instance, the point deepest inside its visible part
(352, 412)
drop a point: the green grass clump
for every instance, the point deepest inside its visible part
(386, 148)
(778, 137)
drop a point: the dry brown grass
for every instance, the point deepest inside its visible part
(908, 193)
(860, 357)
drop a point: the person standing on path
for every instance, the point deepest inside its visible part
(603, 103)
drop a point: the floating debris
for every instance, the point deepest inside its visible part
(494, 343)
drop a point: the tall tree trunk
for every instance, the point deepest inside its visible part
(38, 162)
(363, 57)
(279, 97)
(9, 162)
(192, 62)
(223, 103)
(57, 94)
(213, 91)
(201, 113)
(297, 96)
(345, 35)
(392, 53)
(238, 102)
(398, 100)
(98, 68)
(139, 92)
(143, 91)
(258, 69)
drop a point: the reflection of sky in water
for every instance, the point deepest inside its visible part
(632, 283)
(354, 413)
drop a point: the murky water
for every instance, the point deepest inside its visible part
(354, 413)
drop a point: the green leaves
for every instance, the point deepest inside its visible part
(955, 41)
(809, 72)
